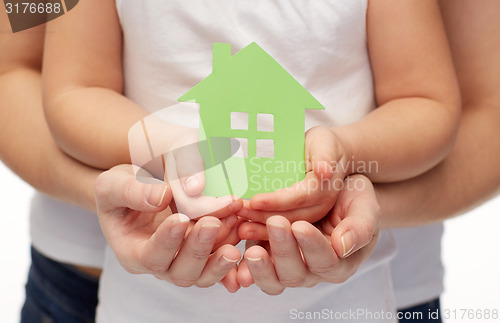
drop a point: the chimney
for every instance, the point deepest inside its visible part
(221, 55)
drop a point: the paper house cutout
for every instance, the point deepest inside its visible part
(251, 83)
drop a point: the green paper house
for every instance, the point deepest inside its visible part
(250, 97)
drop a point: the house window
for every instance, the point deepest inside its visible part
(239, 147)
(265, 122)
(265, 148)
(239, 120)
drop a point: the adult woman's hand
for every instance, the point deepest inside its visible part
(148, 239)
(301, 254)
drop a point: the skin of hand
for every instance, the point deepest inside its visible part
(147, 238)
(178, 162)
(442, 192)
(301, 254)
(408, 90)
(311, 198)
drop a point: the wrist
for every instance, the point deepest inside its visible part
(346, 164)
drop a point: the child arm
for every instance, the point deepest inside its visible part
(28, 146)
(83, 83)
(470, 175)
(412, 129)
(416, 121)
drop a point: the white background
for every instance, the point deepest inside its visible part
(471, 253)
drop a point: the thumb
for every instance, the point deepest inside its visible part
(320, 152)
(119, 188)
(359, 212)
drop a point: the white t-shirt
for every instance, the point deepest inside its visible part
(417, 270)
(65, 232)
(167, 50)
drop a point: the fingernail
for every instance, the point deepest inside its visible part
(192, 183)
(224, 261)
(234, 206)
(155, 194)
(243, 213)
(276, 231)
(250, 235)
(230, 220)
(208, 232)
(257, 205)
(348, 240)
(254, 259)
(299, 234)
(183, 218)
(177, 229)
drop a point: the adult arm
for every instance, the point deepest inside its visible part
(470, 175)
(27, 146)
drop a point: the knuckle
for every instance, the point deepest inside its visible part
(180, 282)
(204, 284)
(300, 199)
(274, 292)
(292, 281)
(368, 228)
(127, 190)
(280, 252)
(153, 268)
(320, 270)
(101, 184)
(259, 276)
(200, 253)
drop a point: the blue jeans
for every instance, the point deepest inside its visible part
(423, 313)
(56, 292)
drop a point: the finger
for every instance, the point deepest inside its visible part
(230, 281)
(305, 193)
(262, 269)
(157, 253)
(118, 188)
(232, 208)
(193, 256)
(360, 214)
(326, 224)
(243, 276)
(317, 251)
(252, 231)
(219, 265)
(227, 225)
(290, 267)
(195, 207)
(228, 233)
(311, 214)
(190, 166)
(321, 154)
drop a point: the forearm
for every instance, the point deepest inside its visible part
(30, 150)
(92, 124)
(401, 139)
(83, 85)
(468, 177)
(416, 92)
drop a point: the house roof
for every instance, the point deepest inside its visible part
(253, 76)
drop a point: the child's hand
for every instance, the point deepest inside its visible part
(172, 152)
(301, 254)
(310, 199)
(185, 172)
(147, 238)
